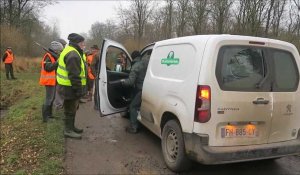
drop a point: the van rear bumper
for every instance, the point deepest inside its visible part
(197, 149)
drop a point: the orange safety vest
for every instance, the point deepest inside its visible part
(47, 78)
(9, 58)
(89, 61)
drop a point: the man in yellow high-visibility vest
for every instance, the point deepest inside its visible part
(71, 79)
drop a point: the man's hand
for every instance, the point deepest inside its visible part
(117, 82)
(78, 92)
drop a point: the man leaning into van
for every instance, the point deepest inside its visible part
(135, 80)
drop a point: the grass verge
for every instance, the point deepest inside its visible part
(28, 146)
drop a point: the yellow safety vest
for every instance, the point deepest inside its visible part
(62, 75)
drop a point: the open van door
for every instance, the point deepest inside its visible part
(115, 64)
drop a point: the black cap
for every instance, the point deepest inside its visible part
(95, 47)
(8, 48)
(75, 38)
(135, 54)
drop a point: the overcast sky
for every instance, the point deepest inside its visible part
(78, 16)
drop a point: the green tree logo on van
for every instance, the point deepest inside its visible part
(170, 59)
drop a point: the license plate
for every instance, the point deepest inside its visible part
(239, 131)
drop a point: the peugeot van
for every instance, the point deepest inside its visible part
(214, 99)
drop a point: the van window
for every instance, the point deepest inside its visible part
(117, 60)
(241, 68)
(286, 75)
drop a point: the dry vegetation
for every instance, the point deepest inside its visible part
(28, 146)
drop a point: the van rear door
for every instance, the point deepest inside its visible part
(242, 103)
(286, 95)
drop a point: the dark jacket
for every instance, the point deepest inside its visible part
(95, 64)
(73, 66)
(4, 57)
(137, 74)
(48, 65)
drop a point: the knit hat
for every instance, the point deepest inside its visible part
(95, 47)
(135, 54)
(62, 41)
(56, 46)
(75, 38)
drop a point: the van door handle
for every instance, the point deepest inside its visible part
(259, 101)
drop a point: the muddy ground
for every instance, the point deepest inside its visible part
(107, 149)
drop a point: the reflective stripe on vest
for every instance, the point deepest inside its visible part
(9, 58)
(47, 78)
(89, 61)
(62, 74)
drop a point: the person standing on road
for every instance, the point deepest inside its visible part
(8, 59)
(135, 80)
(48, 77)
(91, 76)
(58, 101)
(71, 79)
(94, 68)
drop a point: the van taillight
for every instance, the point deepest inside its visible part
(202, 108)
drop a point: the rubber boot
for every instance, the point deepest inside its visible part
(50, 111)
(77, 130)
(44, 114)
(69, 133)
(132, 129)
(12, 76)
(7, 76)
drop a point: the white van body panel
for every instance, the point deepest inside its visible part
(166, 91)
(173, 88)
(285, 118)
(178, 66)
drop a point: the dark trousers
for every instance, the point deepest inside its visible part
(134, 106)
(9, 70)
(50, 95)
(70, 108)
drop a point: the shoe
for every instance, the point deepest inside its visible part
(13, 78)
(77, 130)
(131, 130)
(82, 101)
(72, 134)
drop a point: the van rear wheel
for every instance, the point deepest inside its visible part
(173, 147)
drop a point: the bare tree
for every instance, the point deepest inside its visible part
(198, 15)
(220, 12)
(182, 15)
(269, 13)
(277, 15)
(138, 15)
(168, 18)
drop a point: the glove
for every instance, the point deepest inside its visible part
(117, 82)
(78, 92)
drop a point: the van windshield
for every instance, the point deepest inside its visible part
(242, 67)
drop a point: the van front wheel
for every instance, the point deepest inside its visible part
(173, 147)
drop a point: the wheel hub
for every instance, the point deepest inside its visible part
(172, 145)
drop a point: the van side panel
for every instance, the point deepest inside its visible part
(171, 82)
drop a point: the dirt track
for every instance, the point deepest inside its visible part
(107, 149)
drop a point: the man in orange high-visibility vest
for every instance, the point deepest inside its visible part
(8, 59)
(48, 77)
(91, 77)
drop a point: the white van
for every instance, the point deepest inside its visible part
(213, 98)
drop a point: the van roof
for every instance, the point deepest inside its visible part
(225, 37)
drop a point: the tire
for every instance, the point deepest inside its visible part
(173, 147)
